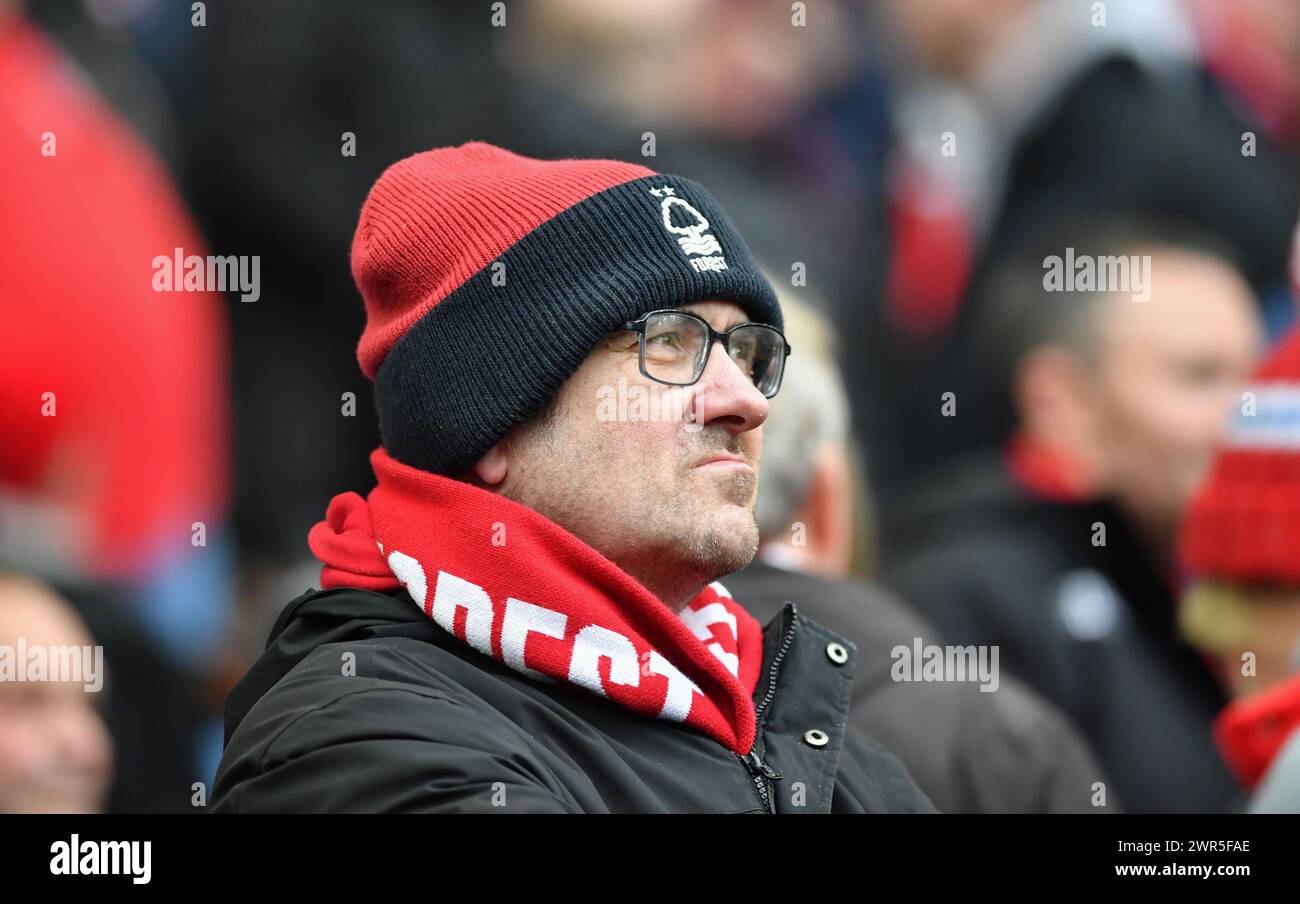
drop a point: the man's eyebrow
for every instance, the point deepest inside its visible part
(744, 318)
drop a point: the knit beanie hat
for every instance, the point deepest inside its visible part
(1244, 524)
(488, 277)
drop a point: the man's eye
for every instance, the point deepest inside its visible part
(667, 340)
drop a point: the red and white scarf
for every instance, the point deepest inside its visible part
(519, 588)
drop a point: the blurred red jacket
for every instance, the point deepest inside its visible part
(137, 448)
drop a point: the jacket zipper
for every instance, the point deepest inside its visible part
(760, 770)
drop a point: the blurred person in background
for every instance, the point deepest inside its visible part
(1012, 114)
(114, 470)
(781, 115)
(1240, 545)
(55, 752)
(1251, 48)
(1060, 548)
(1008, 751)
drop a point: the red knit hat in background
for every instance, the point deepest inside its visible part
(489, 277)
(1243, 526)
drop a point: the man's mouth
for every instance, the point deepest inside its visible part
(723, 461)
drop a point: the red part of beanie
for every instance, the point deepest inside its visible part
(1244, 523)
(436, 218)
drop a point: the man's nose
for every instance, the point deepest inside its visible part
(725, 394)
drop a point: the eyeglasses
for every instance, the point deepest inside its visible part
(675, 347)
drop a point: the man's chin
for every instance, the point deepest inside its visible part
(733, 539)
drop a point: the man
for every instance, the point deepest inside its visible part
(970, 750)
(55, 752)
(1062, 551)
(1240, 544)
(1011, 114)
(572, 363)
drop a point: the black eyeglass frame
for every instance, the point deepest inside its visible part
(638, 326)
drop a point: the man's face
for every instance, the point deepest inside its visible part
(661, 479)
(55, 752)
(1229, 620)
(1169, 370)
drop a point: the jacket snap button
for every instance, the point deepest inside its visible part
(815, 737)
(836, 653)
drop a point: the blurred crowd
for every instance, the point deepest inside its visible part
(1105, 487)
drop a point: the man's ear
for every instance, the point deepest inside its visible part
(492, 467)
(1047, 390)
(1056, 401)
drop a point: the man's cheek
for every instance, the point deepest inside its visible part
(637, 444)
(753, 442)
(20, 753)
(1195, 468)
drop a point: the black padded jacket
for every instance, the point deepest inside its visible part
(360, 703)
